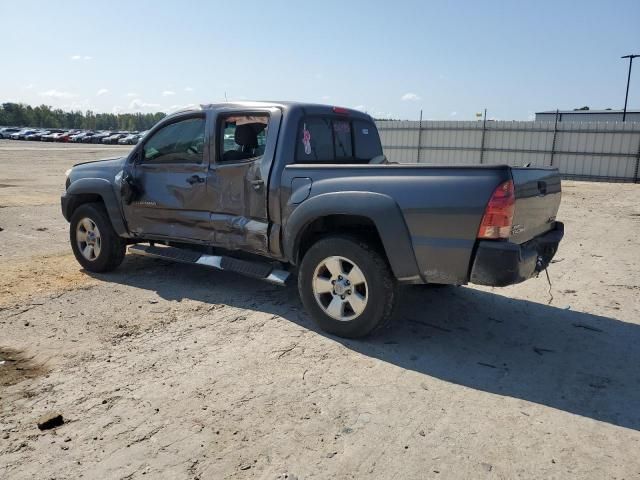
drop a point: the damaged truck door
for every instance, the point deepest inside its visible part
(169, 174)
(238, 178)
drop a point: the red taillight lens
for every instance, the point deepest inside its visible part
(341, 110)
(498, 216)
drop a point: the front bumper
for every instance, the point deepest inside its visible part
(499, 264)
(65, 204)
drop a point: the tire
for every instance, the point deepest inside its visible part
(107, 248)
(321, 264)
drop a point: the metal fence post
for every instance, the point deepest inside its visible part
(484, 131)
(555, 134)
(635, 173)
(419, 137)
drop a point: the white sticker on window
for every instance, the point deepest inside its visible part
(365, 131)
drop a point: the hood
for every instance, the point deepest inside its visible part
(107, 169)
(104, 161)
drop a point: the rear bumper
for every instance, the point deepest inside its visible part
(499, 264)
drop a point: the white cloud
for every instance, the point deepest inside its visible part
(87, 57)
(53, 93)
(81, 105)
(410, 97)
(131, 94)
(174, 108)
(453, 114)
(102, 91)
(167, 93)
(75, 58)
(29, 87)
(117, 109)
(188, 89)
(137, 104)
(325, 97)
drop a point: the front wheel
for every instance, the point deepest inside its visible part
(94, 242)
(346, 286)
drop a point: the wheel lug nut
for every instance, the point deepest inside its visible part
(339, 277)
(348, 292)
(342, 297)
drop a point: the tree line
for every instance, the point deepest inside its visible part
(43, 116)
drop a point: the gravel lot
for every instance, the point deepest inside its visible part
(174, 371)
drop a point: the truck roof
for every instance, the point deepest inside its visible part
(315, 108)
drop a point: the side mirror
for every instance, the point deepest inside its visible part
(129, 190)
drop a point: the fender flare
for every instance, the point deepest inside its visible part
(104, 189)
(381, 209)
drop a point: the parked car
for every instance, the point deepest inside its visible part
(6, 132)
(36, 136)
(141, 136)
(52, 135)
(113, 139)
(323, 204)
(66, 136)
(89, 137)
(79, 137)
(130, 139)
(58, 136)
(21, 135)
(97, 138)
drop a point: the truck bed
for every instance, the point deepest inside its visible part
(442, 206)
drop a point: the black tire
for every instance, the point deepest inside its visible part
(381, 288)
(112, 247)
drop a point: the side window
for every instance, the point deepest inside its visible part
(366, 140)
(243, 137)
(179, 142)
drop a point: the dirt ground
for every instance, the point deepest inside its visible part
(173, 371)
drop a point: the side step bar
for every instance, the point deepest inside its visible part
(260, 270)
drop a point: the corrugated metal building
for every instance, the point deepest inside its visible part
(588, 116)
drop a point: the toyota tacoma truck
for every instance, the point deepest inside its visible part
(270, 189)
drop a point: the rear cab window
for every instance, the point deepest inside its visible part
(330, 139)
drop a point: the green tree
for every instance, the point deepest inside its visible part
(43, 116)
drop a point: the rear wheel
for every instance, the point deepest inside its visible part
(94, 242)
(346, 286)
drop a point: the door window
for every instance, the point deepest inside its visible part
(179, 142)
(243, 137)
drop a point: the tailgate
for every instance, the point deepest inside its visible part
(538, 194)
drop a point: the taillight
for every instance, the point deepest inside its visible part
(341, 110)
(498, 216)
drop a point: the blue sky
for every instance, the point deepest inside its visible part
(390, 58)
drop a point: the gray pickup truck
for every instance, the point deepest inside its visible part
(267, 189)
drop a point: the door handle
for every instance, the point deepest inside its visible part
(257, 184)
(195, 179)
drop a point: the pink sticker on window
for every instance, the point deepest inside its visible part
(306, 139)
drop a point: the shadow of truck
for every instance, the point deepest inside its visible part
(580, 363)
